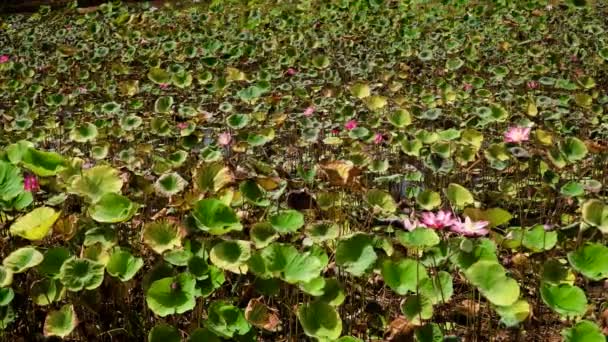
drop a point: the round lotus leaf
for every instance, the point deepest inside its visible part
(416, 308)
(164, 333)
(53, 259)
(454, 63)
(36, 224)
(565, 299)
(46, 292)
(226, 320)
(320, 320)
(491, 280)
(6, 296)
(161, 236)
(112, 208)
(110, 108)
(574, 149)
(22, 259)
(93, 183)
(169, 184)
(401, 276)
(163, 104)
(43, 164)
(61, 322)
(84, 133)
(215, 217)
(123, 264)
(400, 118)
(458, 195)
(420, 237)
(321, 61)
(584, 331)
(322, 231)
(428, 199)
(231, 255)
(254, 193)
(515, 313)
(130, 122)
(287, 221)
(262, 234)
(590, 261)
(172, 295)
(77, 274)
(356, 254)
(596, 213)
(333, 292)
(381, 201)
(159, 76)
(182, 79)
(100, 152)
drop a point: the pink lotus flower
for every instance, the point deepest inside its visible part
(439, 220)
(4, 59)
(410, 224)
(350, 125)
(378, 138)
(308, 111)
(224, 139)
(470, 228)
(30, 183)
(164, 85)
(517, 134)
(182, 125)
(467, 87)
(532, 84)
(291, 71)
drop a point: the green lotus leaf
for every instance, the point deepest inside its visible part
(430, 332)
(287, 221)
(226, 320)
(320, 320)
(565, 299)
(212, 177)
(573, 149)
(400, 118)
(22, 259)
(321, 61)
(250, 93)
(428, 199)
(100, 152)
(376, 102)
(262, 234)
(356, 254)
(583, 100)
(215, 217)
(590, 261)
(161, 236)
(177, 158)
(584, 331)
(284, 261)
(159, 76)
(514, 314)
(458, 195)
(11, 182)
(53, 259)
(43, 164)
(572, 189)
(254, 193)
(438, 288)
(381, 201)
(130, 122)
(6, 296)
(420, 238)
(123, 264)
(322, 231)
(454, 63)
(360, 90)
(313, 287)
(182, 79)
(596, 213)
(77, 274)
(56, 100)
(169, 184)
(402, 276)
(110, 108)
(537, 239)
(203, 335)
(416, 308)
(490, 278)
(36, 224)
(163, 104)
(359, 133)
(112, 208)
(172, 295)
(6, 276)
(95, 182)
(231, 255)
(104, 236)
(84, 133)
(60, 323)
(164, 333)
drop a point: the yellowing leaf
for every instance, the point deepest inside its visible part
(36, 224)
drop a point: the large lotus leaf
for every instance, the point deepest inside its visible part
(123, 264)
(584, 331)
(212, 177)
(438, 288)
(596, 213)
(36, 224)
(565, 299)
(418, 238)
(287, 221)
(284, 261)
(320, 320)
(515, 313)
(254, 193)
(226, 320)
(77, 274)
(356, 254)
(161, 236)
(215, 217)
(172, 295)
(95, 182)
(22, 259)
(416, 308)
(163, 104)
(404, 275)
(574, 149)
(458, 195)
(590, 260)
(53, 259)
(381, 201)
(61, 322)
(169, 184)
(112, 208)
(537, 239)
(231, 255)
(164, 333)
(6, 276)
(42, 163)
(491, 280)
(11, 181)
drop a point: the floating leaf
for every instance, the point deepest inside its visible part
(402, 276)
(95, 182)
(490, 278)
(112, 208)
(565, 299)
(161, 236)
(226, 320)
(584, 331)
(459, 195)
(515, 313)
(215, 217)
(169, 184)
(231, 255)
(287, 221)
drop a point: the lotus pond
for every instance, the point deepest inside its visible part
(316, 170)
